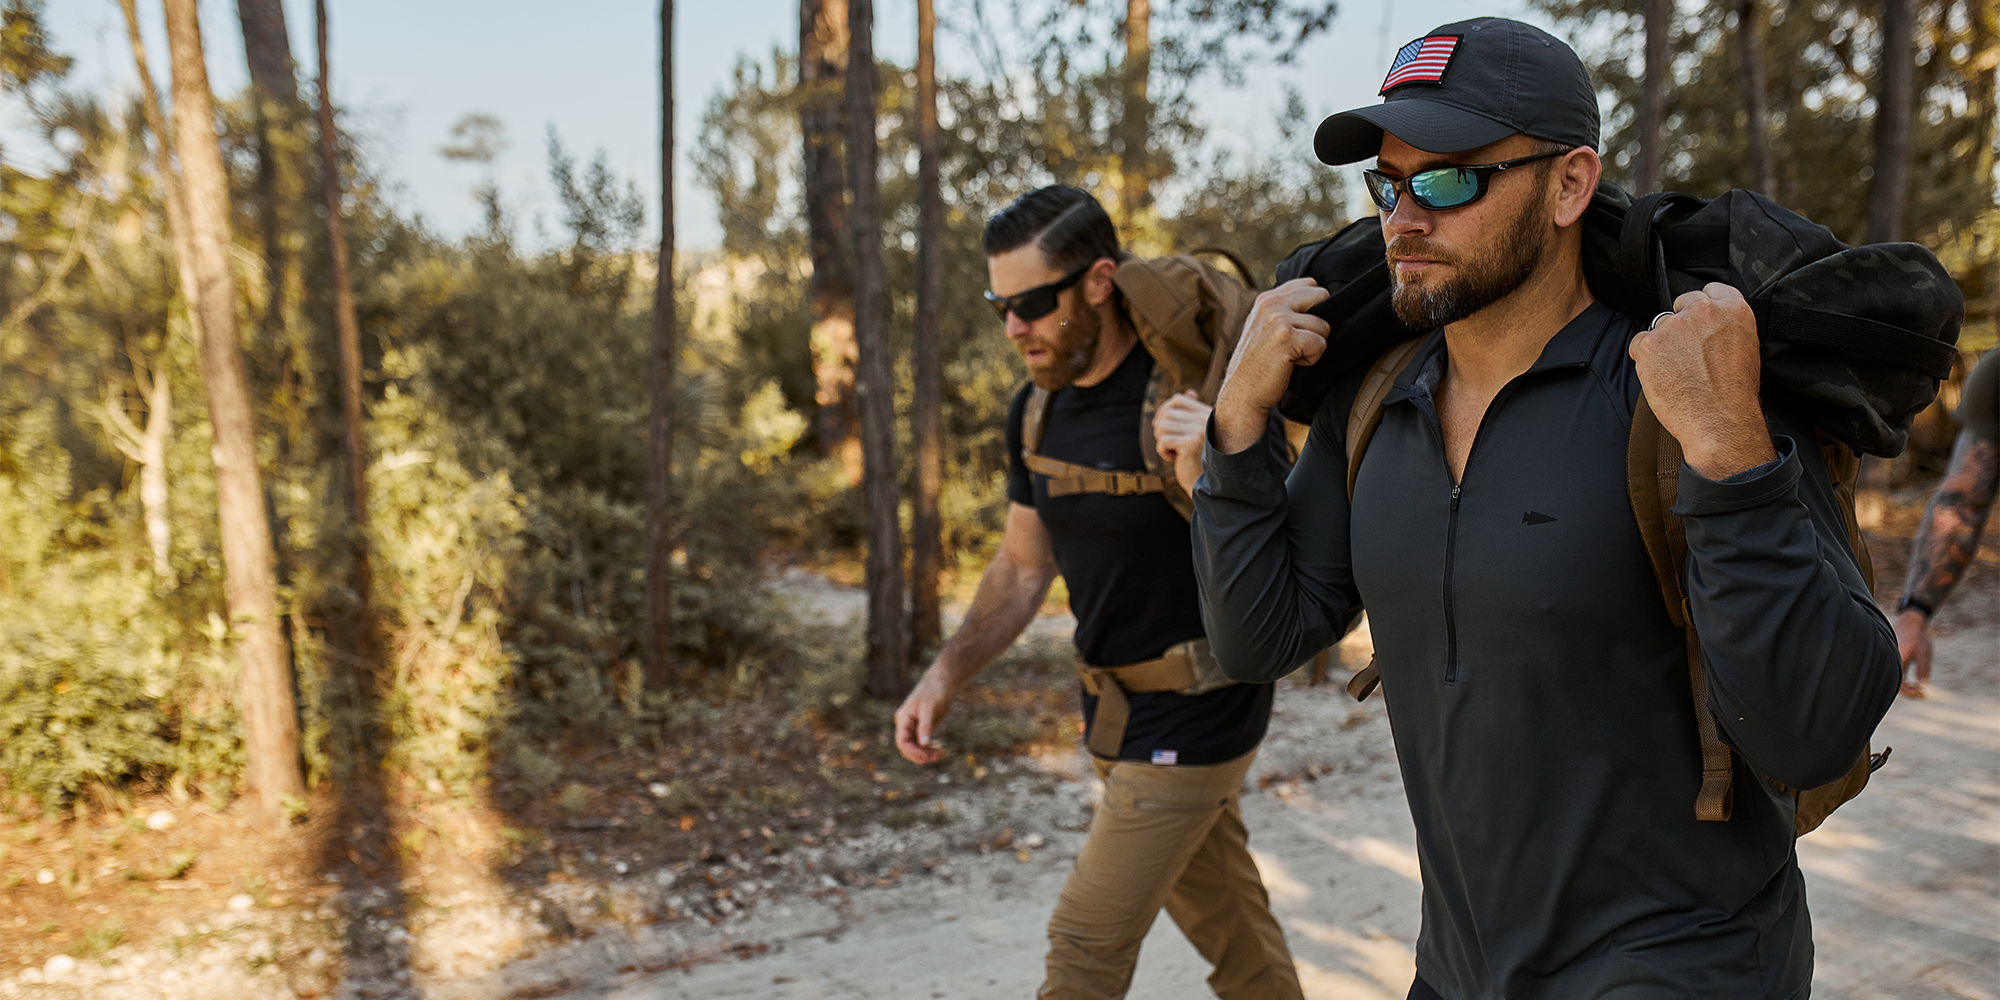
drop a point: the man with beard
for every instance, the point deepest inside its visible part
(1539, 693)
(1170, 736)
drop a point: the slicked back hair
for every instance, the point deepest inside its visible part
(1065, 223)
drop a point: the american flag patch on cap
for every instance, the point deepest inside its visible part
(1421, 61)
(1166, 758)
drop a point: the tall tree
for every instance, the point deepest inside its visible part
(347, 329)
(1135, 189)
(148, 445)
(659, 642)
(274, 92)
(1653, 94)
(267, 48)
(1756, 115)
(1895, 99)
(874, 385)
(171, 190)
(270, 718)
(823, 63)
(926, 526)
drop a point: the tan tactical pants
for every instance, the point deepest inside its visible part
(1172, 837)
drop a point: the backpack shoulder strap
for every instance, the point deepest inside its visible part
(1034, 419)
(1366, 413)
(1652, 481)
(1362, 419)
(1067, 478)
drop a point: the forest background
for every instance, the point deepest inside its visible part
(479, 608)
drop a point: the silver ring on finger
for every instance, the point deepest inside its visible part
(1658, 318)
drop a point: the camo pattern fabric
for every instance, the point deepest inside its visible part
(1858, 337)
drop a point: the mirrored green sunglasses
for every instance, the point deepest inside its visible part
(1442, 187)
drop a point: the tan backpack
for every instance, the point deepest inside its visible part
(1188, 315)
(1652, 479)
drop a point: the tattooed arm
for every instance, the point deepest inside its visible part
(1944, 547)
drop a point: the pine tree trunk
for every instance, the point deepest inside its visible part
(1756, 115)
(267, 47)
(153, 474)
(152, 442)
(274, 89)
(1136, 116)
(171, 191)
(659, 644)
(1653, 97)
(270, 719)
(1895, 98)
(147, 449)
(823, 43)
(874, 388)
(926, 527)
(347, 329)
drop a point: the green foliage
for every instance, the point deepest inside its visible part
(506, 419)
(1822, 65)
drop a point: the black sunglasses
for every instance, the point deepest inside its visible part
(1038, 301)
(1441, 187)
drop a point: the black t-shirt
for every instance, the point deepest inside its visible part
(1129, 565)
(1979, 403)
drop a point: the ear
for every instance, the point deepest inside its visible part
(1097, 287)
(1576, 181)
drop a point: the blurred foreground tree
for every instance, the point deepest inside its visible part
(270, 722)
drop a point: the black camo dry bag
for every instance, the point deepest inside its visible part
(1858, 338)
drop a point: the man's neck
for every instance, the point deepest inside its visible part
(1113, 344)
(1489, 348)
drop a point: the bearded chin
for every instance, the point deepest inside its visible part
(1479, 283)
(1073, 352)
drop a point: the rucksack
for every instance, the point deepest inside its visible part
(1858, 338)
(1652, 469)
(1188, 315)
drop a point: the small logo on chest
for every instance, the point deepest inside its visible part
(1536, 517)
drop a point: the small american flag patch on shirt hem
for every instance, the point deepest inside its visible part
(1421, 61)
(1166, 756)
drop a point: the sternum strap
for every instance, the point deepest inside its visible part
(1066, 478)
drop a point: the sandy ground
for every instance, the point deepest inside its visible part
(1904, 882)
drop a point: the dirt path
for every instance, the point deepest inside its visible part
(1904, 882)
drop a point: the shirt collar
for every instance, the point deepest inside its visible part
(1571, 347)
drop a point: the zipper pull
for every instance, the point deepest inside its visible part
(1454, 495)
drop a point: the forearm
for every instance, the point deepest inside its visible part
(1238, 423)
(1271, 559)
(1957, 515)
(1802, 664)
(1009, 594)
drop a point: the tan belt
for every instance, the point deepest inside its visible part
(1187, 667)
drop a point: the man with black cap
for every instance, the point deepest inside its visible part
(1539, 693)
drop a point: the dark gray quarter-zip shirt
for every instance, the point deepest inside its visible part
(1538, 693)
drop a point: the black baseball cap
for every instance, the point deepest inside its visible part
(1467, 84)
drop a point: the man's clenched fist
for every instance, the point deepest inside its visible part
(1278, 336)
(1701, 368)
